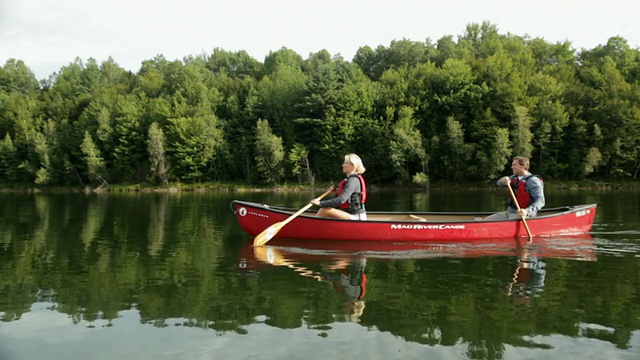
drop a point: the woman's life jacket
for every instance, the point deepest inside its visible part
(355, 203)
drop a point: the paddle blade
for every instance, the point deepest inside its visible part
(272, 230)
(267, 234)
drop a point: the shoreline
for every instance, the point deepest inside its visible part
(239, 187)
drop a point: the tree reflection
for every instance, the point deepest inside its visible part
(174, 260)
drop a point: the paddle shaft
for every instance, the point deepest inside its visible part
(272, 230)
(515, 201)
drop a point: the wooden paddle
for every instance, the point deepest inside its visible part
(268, 233)
(524, 221)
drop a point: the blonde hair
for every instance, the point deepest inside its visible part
(357, 163)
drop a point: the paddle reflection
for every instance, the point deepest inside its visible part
(528, 277)
(530, 270)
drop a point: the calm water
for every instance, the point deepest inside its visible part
(169, 276)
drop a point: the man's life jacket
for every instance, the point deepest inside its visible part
(519, 187)
(357, 199)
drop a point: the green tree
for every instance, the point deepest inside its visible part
(299, 158)
(235, 78)
(94, 160)
(8, 159)
(406, 144)
(521, 133)
(129, 145)
(157, 158)
(21, 117)
(591, 161)
(192, 144)
(322, 87)
(456, 152)
(269, 152)
(46, 148)
(278, 96)
(617, 114)
(400, 53)
(236, 65)
(16, 77)
(151, 80)
(551, 116)
(283, 56)
(493, 153)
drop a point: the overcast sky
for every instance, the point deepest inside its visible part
(49, 34)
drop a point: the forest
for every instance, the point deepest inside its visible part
(453, 110)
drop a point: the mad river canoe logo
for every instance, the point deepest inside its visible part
(426, 227)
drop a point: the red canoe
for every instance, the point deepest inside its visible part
(429, 227)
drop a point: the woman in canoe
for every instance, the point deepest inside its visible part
(351, 193)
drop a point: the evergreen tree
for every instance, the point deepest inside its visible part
(93, 158)
(8, 159)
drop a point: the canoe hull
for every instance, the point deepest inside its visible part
(255, 218)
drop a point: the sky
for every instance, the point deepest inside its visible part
(50, 34)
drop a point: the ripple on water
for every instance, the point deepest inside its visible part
(617, 246)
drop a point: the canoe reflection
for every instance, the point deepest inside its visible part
(292, 251)
(343, 264)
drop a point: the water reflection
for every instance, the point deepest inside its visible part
(343, 264)
(349, 279)
(346, 274)
(166, 266)
(290, 251)
(528, 277)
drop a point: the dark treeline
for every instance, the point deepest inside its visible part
(415, 111)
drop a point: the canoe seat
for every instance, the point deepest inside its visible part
(421, 217)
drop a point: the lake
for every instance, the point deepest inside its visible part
(172, 276)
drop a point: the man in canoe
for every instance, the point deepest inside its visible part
(528, 190)
(351, 193)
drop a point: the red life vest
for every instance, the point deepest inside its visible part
(357, 199)
(521, 192)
